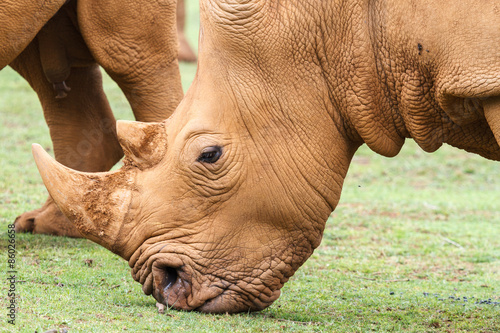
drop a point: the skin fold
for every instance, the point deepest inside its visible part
(57, 47)
(218, 206)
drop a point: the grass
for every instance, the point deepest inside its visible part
(413, 246)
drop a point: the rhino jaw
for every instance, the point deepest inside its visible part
(97, 203)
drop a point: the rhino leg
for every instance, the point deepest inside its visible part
(47, 220)
(139, 53)
(82, 129)
(186, 53)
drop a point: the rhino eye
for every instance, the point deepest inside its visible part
(210, 154)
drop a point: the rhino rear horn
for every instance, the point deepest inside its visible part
(96, 203)
(144, 144)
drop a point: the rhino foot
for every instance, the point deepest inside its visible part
(46, 220)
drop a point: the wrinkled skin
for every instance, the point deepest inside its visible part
(285, 93)
(57, 45)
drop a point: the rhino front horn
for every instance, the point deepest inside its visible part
(144, 144)
(97, 203)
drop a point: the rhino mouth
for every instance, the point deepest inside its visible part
(176, 288)
(172, 281)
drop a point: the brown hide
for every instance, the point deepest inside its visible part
(229, 196)
(21, 21)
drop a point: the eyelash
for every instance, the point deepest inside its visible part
(211, 155)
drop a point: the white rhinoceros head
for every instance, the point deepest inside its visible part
(219, 205)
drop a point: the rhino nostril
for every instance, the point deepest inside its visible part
(164, 279)
(169, 278)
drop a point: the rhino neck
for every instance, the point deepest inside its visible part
(409, 78)
(304, 153)
(359, 91)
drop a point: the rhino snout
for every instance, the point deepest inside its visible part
(176, 288)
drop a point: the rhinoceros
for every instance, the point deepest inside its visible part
(56, 46)
(216, 207)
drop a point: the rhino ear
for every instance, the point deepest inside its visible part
(144, 144)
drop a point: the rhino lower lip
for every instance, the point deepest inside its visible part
(225, 302)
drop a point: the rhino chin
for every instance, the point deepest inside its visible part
(229, 302)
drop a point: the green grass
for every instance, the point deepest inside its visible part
(411, 237)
